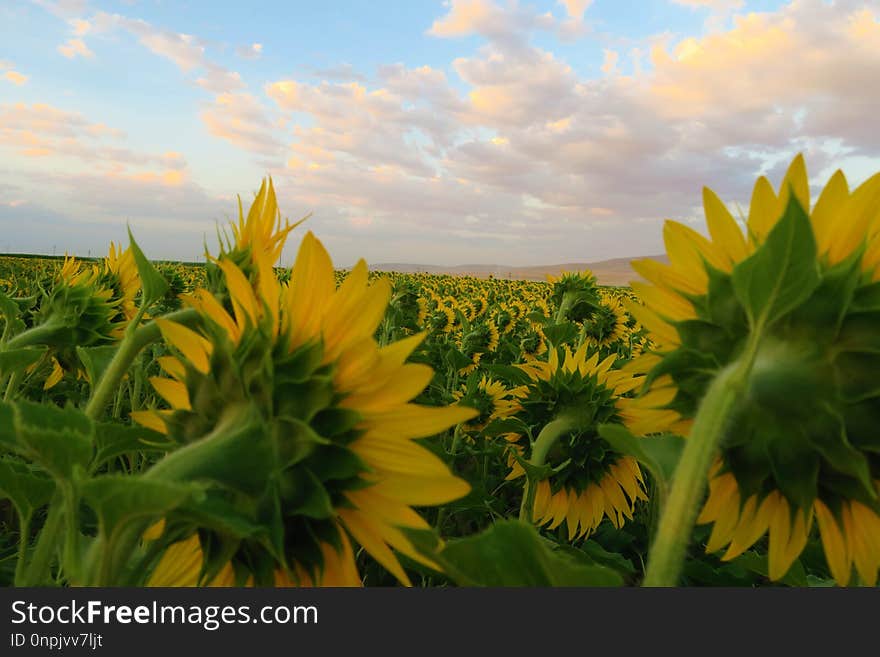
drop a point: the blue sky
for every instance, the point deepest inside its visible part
(488, 131)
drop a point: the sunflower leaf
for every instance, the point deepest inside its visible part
(26, 488)
(511, 553)
(96, 360)
(58, 439)
(16, 360)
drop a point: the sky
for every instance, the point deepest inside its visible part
(527, 132)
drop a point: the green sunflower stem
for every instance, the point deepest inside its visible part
(38, 571)
(551, 433)
(136, 338)
(42, 334)
(679, 515)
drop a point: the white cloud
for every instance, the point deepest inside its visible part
(521, 147)
(75, 47)
(718, 6)
(253, 51)
(37, 131)
(15, 78)
(240, 119)
(609, 63)
(576, 8)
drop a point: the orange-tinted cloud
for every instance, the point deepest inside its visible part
(75, 48)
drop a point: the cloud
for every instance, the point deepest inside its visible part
(63, 8)
(509, 25)
(220, 80)
(241, 119)
(15, 77)
(369, 128)
(44, 131)
(253, 51)
(80, 26)
(186, 51)
(75, 47)
(609, 63)
(576, 8)
(82, 212)
(718, 6)
(344, 72)
(509, 152)
(607, 157)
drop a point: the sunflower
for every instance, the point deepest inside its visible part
(303, 359)
(590, 480)
(442, 318)
(802, 443)
(575, 295)
(182, 565)
(607, 324)
(533, 343)
(79, 311)
(255, 245)
(120, 274)
(492, 399)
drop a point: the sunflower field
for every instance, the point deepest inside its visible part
(241, 424)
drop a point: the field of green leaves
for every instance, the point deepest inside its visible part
(242, 424)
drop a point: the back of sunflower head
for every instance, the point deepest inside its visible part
(254, 243)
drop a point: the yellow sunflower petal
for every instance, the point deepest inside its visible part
(150, 420)
(365, 533)
(194, 347)
(174, 392)
(824, 216)
(834, 543)
(764, 210)
(414, 421)
(723, 229)
(422, 491)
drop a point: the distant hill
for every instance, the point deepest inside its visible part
(616, 271)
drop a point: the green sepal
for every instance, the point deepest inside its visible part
(818, 320)
(782, 273)
(533, 472)
(866, 298)
(304, 494)
(335, 463)
(239, 454)
(296, 440)
(659, 454)
(721, 305)
(304, 400)
(795, 466)
(217, 552)
(300, 365)
(153, 284)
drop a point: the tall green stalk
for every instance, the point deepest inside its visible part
(668, 551)
(551, 433)
(135, 339)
